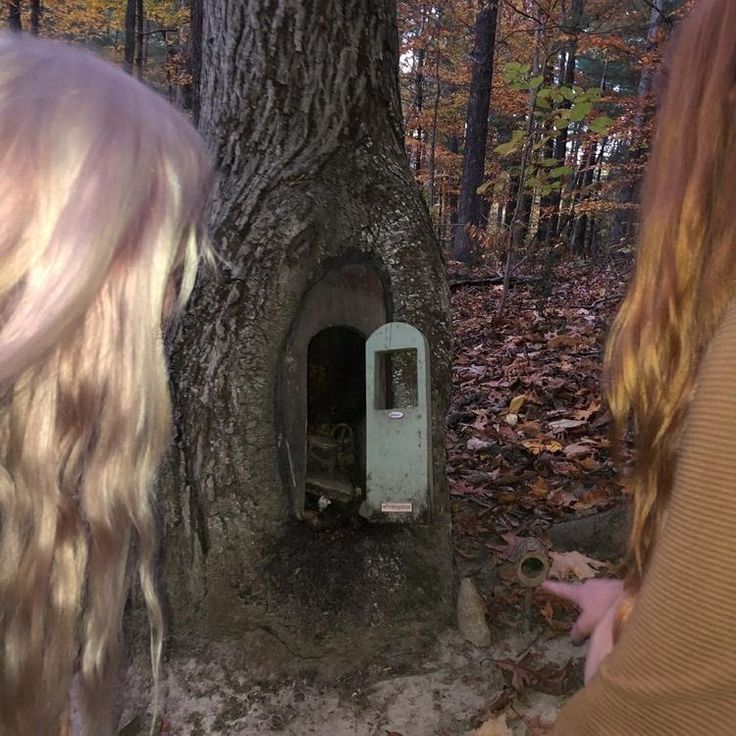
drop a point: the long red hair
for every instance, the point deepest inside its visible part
(686, 266)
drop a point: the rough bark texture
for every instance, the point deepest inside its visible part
(300, 104)
(476, 129)
(194, 55)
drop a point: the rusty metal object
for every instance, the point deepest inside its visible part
(531, 561)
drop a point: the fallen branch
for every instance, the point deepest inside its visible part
(491, 281)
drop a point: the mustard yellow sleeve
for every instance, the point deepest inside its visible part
(673, 672)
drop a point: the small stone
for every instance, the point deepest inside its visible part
(471, 615)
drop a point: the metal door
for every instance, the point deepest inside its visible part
(398, 425)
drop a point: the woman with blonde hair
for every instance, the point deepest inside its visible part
(102, 190)
(671, 367)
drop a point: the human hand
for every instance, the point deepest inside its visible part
(598, 601)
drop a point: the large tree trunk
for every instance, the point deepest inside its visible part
(476, 130)
(300, 105)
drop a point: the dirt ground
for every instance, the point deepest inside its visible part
(448, 692)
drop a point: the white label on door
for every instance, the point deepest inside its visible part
(394, 507)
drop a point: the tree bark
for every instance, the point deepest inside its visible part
(195, 55)
(476, 130)
(419, 108)
(300, 106)
(35, 16)
(129, 52)
(14, 20)
(139, 39)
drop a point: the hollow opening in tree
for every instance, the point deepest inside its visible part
(321, 390)
(335, 418)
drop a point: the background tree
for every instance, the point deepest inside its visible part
(35, 16)
(476, 130)
(14, 17)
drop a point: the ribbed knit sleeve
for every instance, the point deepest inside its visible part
(673, 671)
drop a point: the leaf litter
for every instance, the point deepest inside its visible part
(528, 447)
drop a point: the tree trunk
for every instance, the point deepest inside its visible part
(139, 39)
(14, 21)
(300, 106)
(195, 55)
(624, 217)
(586, 176)
(573, 28)
(129, 52)
(35, 16)
(419, 108)
(435, 112)
(476, 130)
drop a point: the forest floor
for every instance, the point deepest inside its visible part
(528, 456)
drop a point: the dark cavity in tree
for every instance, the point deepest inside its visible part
(335, 418)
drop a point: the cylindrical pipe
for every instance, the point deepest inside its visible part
(532, 562)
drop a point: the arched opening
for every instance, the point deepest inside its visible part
(335, 442)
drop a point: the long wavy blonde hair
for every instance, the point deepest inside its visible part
(102, 188)
(686, 269)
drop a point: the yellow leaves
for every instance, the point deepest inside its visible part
(516, 403)
(540, 488)
(537, 446)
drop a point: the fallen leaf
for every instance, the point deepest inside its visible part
(516, 403)
(573, 564)
(577, 449)
(477, 444)
(586, 414)
(540, 488)
(520, 672)
(561, 425)
(537, 446)
(494, 727)
(567, 341)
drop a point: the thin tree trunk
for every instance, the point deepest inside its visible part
(418, 108)
(129, 52)
(435, 112)
(476, 130)
(195, 55)
(576, 20)
(35, 17)
(139, 39)
(14, 20)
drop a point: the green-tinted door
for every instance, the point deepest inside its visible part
(398, 429)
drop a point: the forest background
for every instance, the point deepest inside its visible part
(527, 122)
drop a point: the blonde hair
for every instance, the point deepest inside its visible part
(102, 187)
(686, 268)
